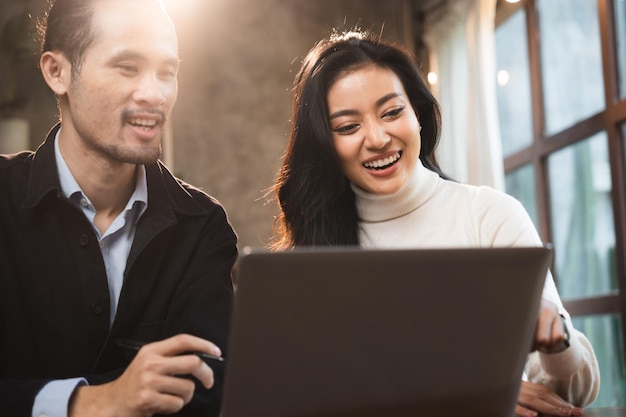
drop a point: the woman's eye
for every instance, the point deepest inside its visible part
(393, 113)
(346, 129)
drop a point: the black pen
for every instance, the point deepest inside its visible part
(136, 345)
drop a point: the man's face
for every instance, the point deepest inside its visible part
(127, 84)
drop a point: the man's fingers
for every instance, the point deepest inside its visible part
(189, 364)
(194, 365)
(184, 343)
(171, 386)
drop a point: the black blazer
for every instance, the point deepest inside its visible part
(54, 298)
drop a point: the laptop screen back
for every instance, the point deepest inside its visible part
(354, 332)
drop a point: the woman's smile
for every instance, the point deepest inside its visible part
(383, 163)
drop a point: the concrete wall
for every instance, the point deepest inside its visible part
(40, 104)
(239, 58)
(232, 118)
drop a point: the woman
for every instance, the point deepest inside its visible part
(360, 169)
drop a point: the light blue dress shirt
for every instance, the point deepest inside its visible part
(53, 399)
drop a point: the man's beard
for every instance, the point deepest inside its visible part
(138, 154)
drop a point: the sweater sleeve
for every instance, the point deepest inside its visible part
(573, 374)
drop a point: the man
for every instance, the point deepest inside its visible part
(100, 243)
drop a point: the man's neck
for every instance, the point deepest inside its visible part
(108, 184)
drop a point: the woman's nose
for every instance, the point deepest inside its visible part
(377, 137)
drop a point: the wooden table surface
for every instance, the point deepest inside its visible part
(605, 412)
(602, 412)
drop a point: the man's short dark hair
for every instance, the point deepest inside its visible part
(67, 27)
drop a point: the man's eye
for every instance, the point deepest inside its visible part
(168, 74)
(128, 68)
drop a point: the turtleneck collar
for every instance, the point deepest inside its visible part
(382, 207)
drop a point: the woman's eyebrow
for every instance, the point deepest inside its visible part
(379, 102)
(386, 98)
(342, 113)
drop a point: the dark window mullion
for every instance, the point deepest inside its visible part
(535, 158)
(609, 60)
(534, 60)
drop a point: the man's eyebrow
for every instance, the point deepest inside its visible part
(379, 102)
(134, 55)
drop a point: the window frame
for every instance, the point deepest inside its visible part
(543, 145)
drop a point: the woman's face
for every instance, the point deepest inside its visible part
(375, 131)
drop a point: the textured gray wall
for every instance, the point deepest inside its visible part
(239, 58)
(40, 104)
(232, 117)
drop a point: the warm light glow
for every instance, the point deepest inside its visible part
(181, 11)
(503, 77)
(512, 1)
(432, 78)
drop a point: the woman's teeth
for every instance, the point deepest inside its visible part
(382, 163)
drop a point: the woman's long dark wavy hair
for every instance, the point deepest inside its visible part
(317, 205)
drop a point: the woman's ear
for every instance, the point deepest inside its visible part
(56, 70)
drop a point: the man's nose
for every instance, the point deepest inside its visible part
(151, 90)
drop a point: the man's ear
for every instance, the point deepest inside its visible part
(56, 70)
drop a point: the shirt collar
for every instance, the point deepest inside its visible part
(68, 183)
(70, 187)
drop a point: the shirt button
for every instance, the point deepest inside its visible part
(84, 202)
(83, 239)
(96, 309)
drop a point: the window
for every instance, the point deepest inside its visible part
(514, 85)
(561, 87)
(571, 62)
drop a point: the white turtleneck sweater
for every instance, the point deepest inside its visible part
(430, 212)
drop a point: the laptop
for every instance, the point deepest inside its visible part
(362, 332)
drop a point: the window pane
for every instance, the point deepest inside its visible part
(582, 218)
(571, 62)
(605, 334)
(620, 36)
(513, 85)
(521, 185)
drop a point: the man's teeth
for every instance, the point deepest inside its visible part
(147, 123)
(382, 163)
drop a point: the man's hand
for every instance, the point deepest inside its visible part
(550, 330)
(535, 399)
(151, 383)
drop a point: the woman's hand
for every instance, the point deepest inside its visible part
(550, 333)
(535, 399)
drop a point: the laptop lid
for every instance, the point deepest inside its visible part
(363, 332)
